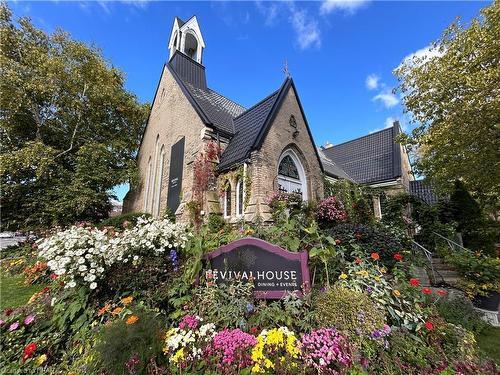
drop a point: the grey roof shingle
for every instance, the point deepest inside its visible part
(216, 110)
(247, 126)
(424, 190)
(370, 159)
(331, 169)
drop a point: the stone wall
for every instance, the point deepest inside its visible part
(172, 117)
(263, 168)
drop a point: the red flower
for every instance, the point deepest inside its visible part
(429, 326)
(414, 282)
(375, 256)
(338, 242)
(442, 293)
(53, 276)
(8, 312)
(253, 330)
(398, 257)
(45, 290)
(29, 350)
(359, 260)
(427, 291)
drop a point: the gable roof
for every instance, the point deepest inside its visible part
(247, 127)
(331, 169)
(215, 110)
(370, 159)
(424, 190)
(253, 125)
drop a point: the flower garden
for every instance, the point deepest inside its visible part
(134, 297)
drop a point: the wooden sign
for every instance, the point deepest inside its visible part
(273, 270)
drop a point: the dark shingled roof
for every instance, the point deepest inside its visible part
(215, 110)
(332, 169)
(370, 159)
(247, 126)
(423, 190)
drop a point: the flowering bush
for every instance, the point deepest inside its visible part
(79, 253)
(230, 350)
(326, 350)
(281, 203)
(185, 344)
(276, 350)
(330, 211)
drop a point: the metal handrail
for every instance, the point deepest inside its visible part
(451, 243)
(428, 255)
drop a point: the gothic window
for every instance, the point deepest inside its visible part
(239, 198)
(291, 175)
(147, 187)
(288, 168)
(161, 161)
(227, 202)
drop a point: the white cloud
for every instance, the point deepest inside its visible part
(423, 55)
(387, 98)
(270, 12)
(306, 29)
(372, 82)
(347, 6)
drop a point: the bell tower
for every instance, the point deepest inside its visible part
(186, 37)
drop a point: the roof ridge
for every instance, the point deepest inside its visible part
(258, 103)
(356, 139)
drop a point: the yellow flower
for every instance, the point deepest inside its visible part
(396, 292)
(41, 359)
(363, 273)
(377, 278)
(343, 276)
(178, 356)
(257, 369)
(383, 270)
(132, 319)
(268, 363)
(127, 300)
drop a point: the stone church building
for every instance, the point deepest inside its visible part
(265, 148)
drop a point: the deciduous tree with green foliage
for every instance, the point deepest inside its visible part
(69, 127)
(453, 94)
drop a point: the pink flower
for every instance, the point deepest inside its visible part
(326, 350)
(2, 322)
(189, 321)
(231, 347)
(29, 319)
(13, 326)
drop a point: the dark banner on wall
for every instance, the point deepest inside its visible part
(273, 270)
(175, 175)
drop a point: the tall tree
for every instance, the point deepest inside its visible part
(453, 95)
(69, 128)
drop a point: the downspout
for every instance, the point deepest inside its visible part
(244, 187)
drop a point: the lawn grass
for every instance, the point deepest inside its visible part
(489, 343)
(13, 291)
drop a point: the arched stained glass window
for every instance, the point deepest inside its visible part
(288, 168)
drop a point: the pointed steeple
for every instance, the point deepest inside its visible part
(186, 37)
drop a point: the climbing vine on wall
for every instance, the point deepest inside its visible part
(225, 181)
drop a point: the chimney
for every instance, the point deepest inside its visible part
(327, 145)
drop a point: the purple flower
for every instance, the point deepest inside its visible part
(29, 319)
(2, 322)
(13, 326)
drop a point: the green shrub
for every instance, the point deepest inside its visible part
(117, 221)
(353, 313)
(458, 310)
(119, 343)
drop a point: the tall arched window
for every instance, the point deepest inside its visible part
(191, 46)
(147, 187)
(154, 176)
(227, 201)
(240, 200)
(159, 180)
(291, 175)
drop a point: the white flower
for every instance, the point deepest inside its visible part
(93, 285)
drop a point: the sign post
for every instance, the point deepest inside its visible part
(274, 271)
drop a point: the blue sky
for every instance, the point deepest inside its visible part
(341, 54)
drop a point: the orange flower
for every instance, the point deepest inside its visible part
(375, 256)
(359, 260)
(103, 310)
(127, 300)
(117, 310)
(396, 292)
(132, 319)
